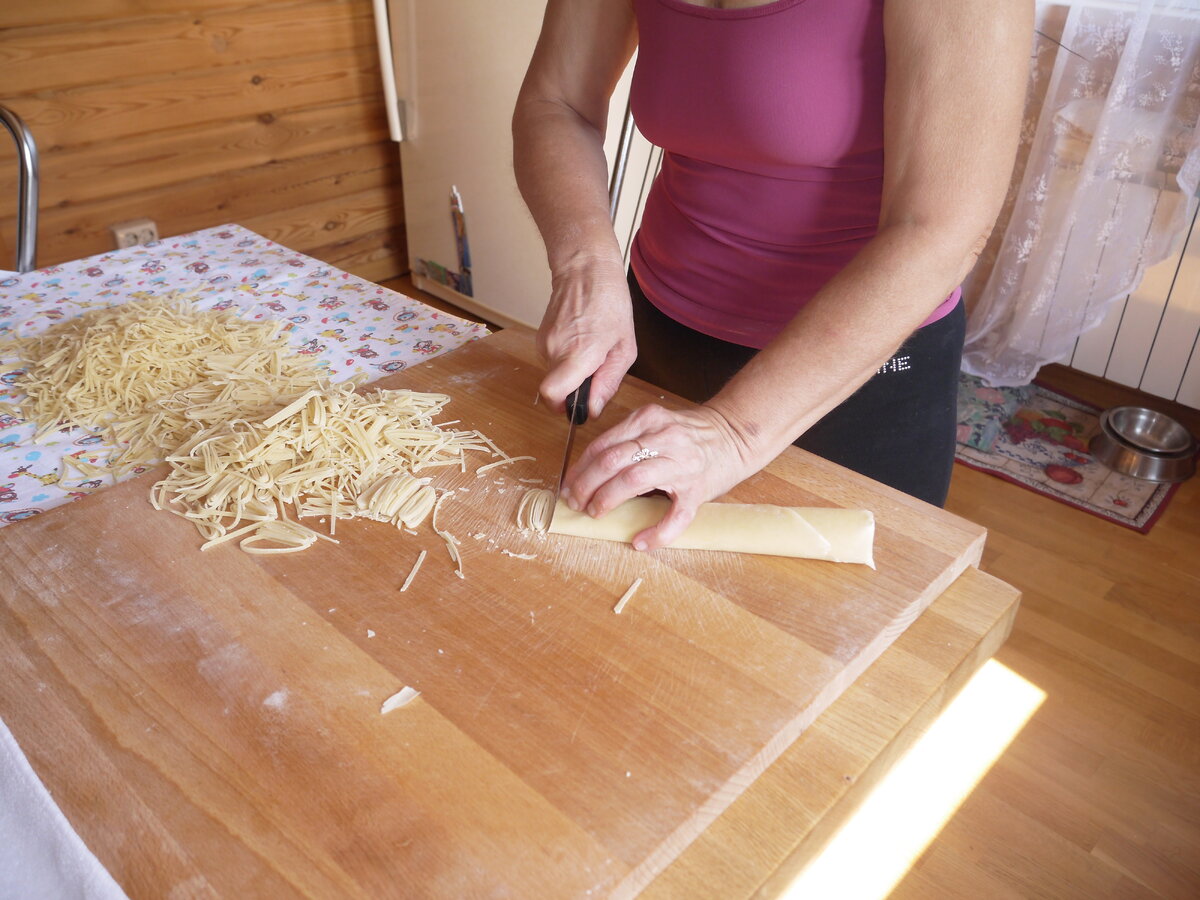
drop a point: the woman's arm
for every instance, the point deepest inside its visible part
(558, 142)
(956, 78)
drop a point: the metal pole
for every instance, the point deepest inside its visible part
(27, 190)
(618, 175)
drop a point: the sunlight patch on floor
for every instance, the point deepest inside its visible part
(867, 858)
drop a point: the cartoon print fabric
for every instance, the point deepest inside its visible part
(354, 326)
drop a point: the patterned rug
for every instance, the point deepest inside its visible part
(1038, 438)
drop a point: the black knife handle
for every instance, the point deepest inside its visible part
(577, 402)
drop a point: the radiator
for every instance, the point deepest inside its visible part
(1149, 340)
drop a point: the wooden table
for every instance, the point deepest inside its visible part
(788, 814)
(213, 720)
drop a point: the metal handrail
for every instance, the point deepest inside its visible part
(27, 189)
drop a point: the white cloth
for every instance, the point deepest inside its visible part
(1104, 186)
(41, 856)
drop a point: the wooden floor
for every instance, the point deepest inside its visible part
(1099, 795)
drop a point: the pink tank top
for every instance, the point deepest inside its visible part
(771, 121)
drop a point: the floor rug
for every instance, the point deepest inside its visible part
(1038, 438)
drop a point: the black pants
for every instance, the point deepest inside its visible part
(898, 428)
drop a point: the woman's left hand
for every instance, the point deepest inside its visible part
(691, 455)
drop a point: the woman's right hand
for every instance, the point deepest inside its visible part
(587, 330)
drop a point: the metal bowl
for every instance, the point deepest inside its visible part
(1111, 449)
(1148, 430)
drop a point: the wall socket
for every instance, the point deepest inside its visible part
(134, 232)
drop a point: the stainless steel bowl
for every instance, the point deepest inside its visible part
(1145, 444)
(1148, 430)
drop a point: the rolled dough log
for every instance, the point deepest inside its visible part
(838, 535)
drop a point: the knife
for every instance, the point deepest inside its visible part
(577, 414)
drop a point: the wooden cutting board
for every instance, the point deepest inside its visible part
(556, 748)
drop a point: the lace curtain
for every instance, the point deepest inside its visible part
(1105, 181)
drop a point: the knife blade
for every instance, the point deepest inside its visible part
(577, 414)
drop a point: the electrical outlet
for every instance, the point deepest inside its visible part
(134, 232)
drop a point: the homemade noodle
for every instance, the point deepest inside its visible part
(535, 510)
(328, 452)
(248, 427)
(151, 374)
(637, 583)
(412, 573)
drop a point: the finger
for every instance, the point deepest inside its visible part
(632, 481)
(639, 426)
(593, 470)
(542, 342)
(607, 380)
(605, 384)
(566, 375)
(611, 451)
(580, 480)
(669, 528)
(600, 464)
(600, 446)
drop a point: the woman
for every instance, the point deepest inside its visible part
(831, 170)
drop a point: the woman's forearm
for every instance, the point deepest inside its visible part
(558, 158)
(854, 324)
(587, 329)
(950, 137)
(558, 126)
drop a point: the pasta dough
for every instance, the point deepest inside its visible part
(838, 535)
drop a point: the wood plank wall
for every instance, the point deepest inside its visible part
(196, 113)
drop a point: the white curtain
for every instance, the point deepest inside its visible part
(1105, 181)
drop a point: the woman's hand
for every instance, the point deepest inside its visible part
(691, 455)
(587, 330)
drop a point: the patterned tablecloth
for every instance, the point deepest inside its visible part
(351, 324)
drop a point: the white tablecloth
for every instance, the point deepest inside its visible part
(352, 324)
(40, 853)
